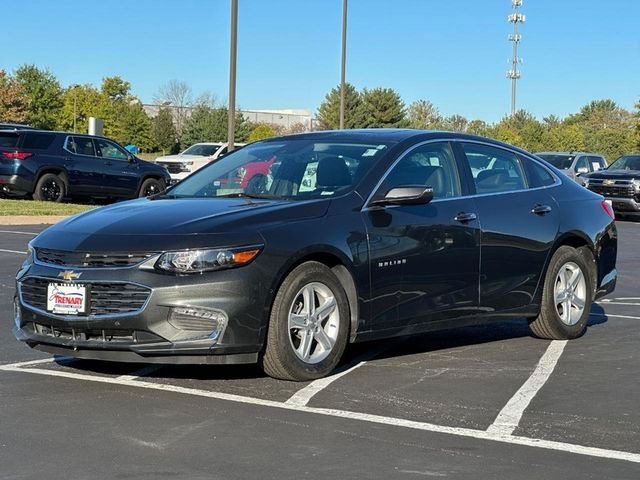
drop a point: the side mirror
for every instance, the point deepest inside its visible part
(408, 195)
(582, 170)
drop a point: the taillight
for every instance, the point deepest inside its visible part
(16, 155)
(607, 208)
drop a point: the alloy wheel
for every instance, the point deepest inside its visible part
(570, 293)
(51, 190)
(313, 322)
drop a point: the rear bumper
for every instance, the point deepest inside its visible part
(607, 285)
(15, 185)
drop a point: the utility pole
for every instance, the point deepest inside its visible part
(344, 61)
(231, 122)
(514, 74)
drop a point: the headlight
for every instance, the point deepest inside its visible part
(198, 261)
(636, 183)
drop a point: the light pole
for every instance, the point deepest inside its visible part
(515, 37)
(344, 61)
(231, 122)
(75, 105)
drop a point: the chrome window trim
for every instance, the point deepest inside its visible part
(82, 317)
(556, 183)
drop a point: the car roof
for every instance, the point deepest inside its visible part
(568, 153)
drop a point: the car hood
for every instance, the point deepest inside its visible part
(180, 158)
(616, 174)
(164, 224)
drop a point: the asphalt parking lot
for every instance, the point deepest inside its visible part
(479, 402)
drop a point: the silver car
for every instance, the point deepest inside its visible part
(575, 164)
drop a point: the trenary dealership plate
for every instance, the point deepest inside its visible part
(66, 298)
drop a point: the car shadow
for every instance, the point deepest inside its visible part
(387, 348)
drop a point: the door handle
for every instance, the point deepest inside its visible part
(541, 209)
(463, 217)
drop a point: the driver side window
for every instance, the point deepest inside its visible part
(430, 165)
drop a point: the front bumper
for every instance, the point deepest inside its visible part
(624, 205)
(147, 334)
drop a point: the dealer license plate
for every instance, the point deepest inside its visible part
(67, 298)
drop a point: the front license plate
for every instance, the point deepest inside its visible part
(67, 298)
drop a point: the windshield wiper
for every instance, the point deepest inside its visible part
(248, 195)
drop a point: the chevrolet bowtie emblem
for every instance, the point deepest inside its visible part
(68, 275)
(609, 182)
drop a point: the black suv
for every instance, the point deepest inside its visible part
(53, 165)
(619, 183)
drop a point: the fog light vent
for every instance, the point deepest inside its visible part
(198, 319)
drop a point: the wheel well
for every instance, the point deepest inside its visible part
(56, 171)
(585, 250)
(344, 276)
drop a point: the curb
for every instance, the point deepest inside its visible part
(31, 219)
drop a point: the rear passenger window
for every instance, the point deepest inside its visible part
(430, 165)
(81, 146)
(494, 169)
(538, 175)
(38, 141)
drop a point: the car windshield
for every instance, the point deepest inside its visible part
(294, 169)
(563, 162)
(204, 150)
(626, 162)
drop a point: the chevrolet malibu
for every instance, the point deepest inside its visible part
(392, 234)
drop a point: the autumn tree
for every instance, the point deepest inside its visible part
(42, 94)
(12, 100)
(424, 115)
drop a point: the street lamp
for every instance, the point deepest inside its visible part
(231, 121)
(344, 61)
(75, 105)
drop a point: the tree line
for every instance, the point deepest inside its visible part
(34, 96)
(601, 126)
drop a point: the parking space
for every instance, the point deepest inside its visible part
(486, 401)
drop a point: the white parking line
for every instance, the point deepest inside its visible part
(19, 233)
(38, 362)
(12, 251)
(509, 417)
(395, 422)
(614, 316)
(616, 303)
(142, 372)
(303, 396)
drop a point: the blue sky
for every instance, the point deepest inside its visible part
(452, 52)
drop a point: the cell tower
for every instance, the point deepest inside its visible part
(514, 74)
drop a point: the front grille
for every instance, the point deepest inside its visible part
(104, 298)
(172, 167)
(613, 191)
(110, 336)
(89, 260)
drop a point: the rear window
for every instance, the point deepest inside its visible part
(563, 162)
(8, 140)
(38, 140)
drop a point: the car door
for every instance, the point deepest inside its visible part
(424, 259)
(520, 221)
(85, 176)
(120, 175)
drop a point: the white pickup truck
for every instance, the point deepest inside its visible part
(192, 159)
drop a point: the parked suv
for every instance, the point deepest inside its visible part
(620, 184)
(193, 158)
(575, 164)
(52, 165)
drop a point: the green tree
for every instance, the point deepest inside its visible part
(478, 127)
(136, 127)
(115, 88)
(329, 110)
(424, 115)
(261, 131)
(210, 125)
(12, 100)
(611, 142)
(382, 108)
(164, 131)
(43, 96)
(563, 138)
(83, 101)
(455, 123)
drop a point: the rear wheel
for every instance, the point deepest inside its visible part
(50, 188)
(151, 186)
(566, 298)
(308, 325)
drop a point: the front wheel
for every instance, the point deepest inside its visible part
(308, 326)
(566, 298)
(151, 186)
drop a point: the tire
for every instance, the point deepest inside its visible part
(151, 186)
(560, 315)
(257, 184)
(285, 356)
(50, 188)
